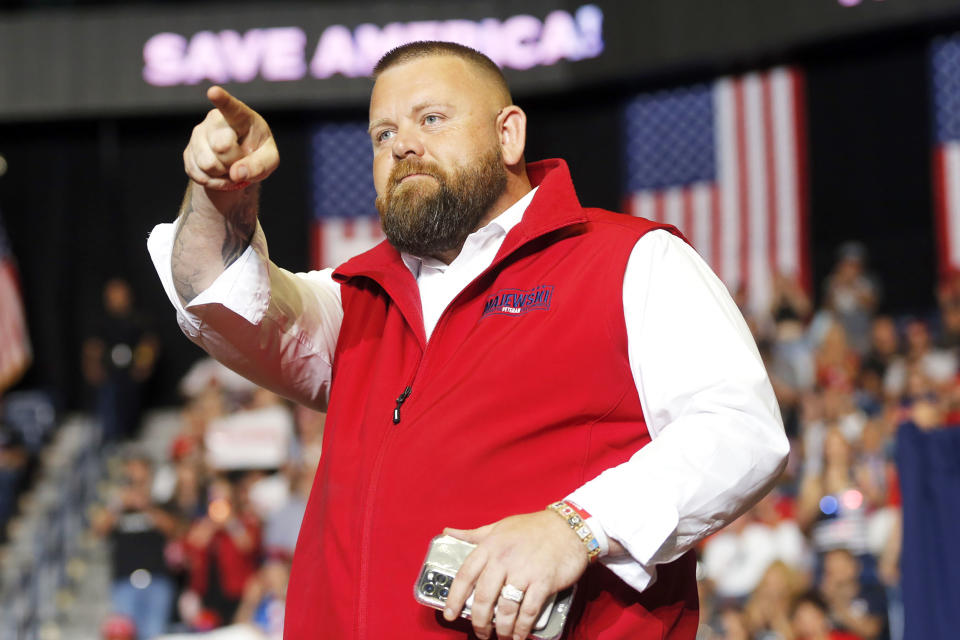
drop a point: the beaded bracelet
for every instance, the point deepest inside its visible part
(577, 519)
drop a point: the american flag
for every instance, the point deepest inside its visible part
(345, 220)
(15, 354)
(725, 162)
(945, 68)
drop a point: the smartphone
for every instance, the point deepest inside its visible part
(444, 557)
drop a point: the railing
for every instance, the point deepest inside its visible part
(34, 576)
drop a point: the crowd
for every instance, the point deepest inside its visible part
(819, 558)
(203, 538)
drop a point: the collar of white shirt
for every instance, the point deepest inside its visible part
(493, 232)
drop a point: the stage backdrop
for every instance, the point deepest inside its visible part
(155, 59)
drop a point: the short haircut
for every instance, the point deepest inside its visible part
(426, 48)
(811, 597)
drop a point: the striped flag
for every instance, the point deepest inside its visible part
(345, 220)
(725, 162)
(945, 69)
(15, 354)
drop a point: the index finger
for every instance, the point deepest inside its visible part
(237, 114)
(463, 584)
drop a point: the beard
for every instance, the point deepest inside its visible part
(428, 219)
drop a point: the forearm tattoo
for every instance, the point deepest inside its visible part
(240, 222)
(236, 227)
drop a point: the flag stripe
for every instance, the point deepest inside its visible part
(802, 196)
(673, 207)
(15, 352)
(702, 227)
(729, 167)
(770, 153)
(743, 184)
(785, 165)
(756, 228)
(941, 213)
(952, 191)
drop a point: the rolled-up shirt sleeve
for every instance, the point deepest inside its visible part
(274, 327)
(718, 440)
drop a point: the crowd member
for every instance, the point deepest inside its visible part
(852, 294)
(118, 358)
(222, 553)
(737, 558)
(460, 204)
(768, 609)
(809, 620)
(853, 606)
(139, 530)
(922, 364)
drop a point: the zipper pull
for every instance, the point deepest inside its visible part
(400, 400)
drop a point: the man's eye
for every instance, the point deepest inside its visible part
(383, 136)
(431, 119)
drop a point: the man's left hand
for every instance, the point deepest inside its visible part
(537, 553)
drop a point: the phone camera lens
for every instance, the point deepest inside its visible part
(429, 589)
(442, 579)
(444, 592)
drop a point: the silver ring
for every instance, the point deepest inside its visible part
(511, 593)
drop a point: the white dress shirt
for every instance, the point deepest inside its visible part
(718, 440)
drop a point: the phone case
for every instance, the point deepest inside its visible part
(444, 557)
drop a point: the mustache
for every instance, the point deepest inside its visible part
(410, 166)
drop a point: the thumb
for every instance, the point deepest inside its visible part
(474, 536)
(256, 166)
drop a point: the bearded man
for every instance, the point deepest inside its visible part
(504, 350)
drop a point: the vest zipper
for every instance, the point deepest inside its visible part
(400, 400)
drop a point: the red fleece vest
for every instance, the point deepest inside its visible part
(523, 393)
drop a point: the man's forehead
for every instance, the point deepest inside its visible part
(433, 78)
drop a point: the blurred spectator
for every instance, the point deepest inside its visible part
(884, 349)
(768, 610)
(852, 605)
(809, 620)
(283, 525)
(948, 299)
(139, 529)
(923, 362)
(265, 597)
(737, 557)
(309, 442)
(118, 357)
(832, 505)
(851, 294)
(836, 362)
(884, 344)
(790, 310)
(222, 550)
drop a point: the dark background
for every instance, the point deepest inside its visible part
(81, 196)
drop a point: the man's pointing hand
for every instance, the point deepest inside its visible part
(232, 147)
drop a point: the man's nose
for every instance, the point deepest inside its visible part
(406, 143)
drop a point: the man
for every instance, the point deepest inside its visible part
(505, 347)
(118, 359)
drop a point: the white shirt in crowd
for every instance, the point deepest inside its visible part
(718, 440)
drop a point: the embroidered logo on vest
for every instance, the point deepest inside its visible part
(516, 302)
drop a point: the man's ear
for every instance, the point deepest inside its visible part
(512, 131)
